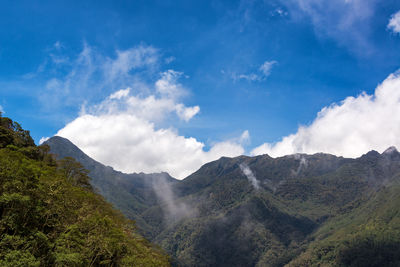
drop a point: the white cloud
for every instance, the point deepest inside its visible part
(249, 77)
(266, 67)
(90, 75)
(127, 60)
(250, 175)
(1, 109)
(43, 139)
(186, 113)
(394, 23)
(351, 128)
(132, 144)
(121, 132)
(169, 59)
(154, 107)
(168, 86)
(346, 21)
(245, 137)
(262, 73)
(58, 45)
(123, 129)
(120, 94)
(280, 12)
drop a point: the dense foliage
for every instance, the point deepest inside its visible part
(50, 216)
(369, 235)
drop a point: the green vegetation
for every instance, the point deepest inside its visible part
(369, 235)
(50, 216)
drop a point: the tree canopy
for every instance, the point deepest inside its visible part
(50, 216)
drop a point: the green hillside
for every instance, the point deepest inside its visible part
(367, 236)
(50, 215)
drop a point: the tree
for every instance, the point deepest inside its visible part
(75, 172)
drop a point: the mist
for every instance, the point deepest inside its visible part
(173, 209)
(250, 175)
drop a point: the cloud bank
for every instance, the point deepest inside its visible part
(350, 128)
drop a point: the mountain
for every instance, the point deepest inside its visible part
(50, 215)
(297, 210)
(130, 193)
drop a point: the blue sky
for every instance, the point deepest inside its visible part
(316, 53)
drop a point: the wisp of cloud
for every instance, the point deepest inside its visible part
(249, 174)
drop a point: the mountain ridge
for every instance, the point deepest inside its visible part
(264, 211)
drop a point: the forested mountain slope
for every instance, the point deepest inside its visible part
(50, 215)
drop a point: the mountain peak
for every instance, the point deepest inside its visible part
(57, 138)
(390, 150)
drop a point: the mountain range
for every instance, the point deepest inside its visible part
(296, 210)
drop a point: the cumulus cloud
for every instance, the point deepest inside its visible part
(154, 107)
(394, 23)
(351, 128)
(346, 21)
(122, 132)
(126, 128)
(186, 113)
(167, 86)
(131, 144)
